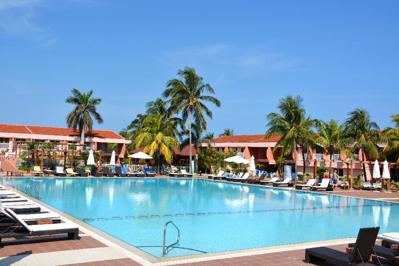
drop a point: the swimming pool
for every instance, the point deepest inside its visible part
(212, 216)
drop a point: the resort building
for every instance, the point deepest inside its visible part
(265, 154)
(13, 138)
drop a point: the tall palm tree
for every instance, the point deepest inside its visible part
(291, 124)
(227, 132)
(331, 137)
(187, 95)
(363, 133)
(158, 106)
(81, 116)
(158, 137)
(392, 137)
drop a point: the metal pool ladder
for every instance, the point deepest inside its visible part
(167, 248)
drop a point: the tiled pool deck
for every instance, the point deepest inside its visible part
(96, 248)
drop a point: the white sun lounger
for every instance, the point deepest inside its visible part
(270, 181)
(219, 175)
(323, 186)
(392, 237)
(185, 173)
(45, 229)
(308, 184)
(39, 216)
(243, 178)
(16, 199)
(285, 182)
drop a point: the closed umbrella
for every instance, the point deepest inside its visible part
(385, 173)
(252, 167)
(140, 155)
(376, 170)
(90, 160)
(112, 162)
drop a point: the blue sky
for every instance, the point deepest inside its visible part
(338, 55)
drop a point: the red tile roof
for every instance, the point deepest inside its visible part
(57, 131)
(246, 138)
(185, 151)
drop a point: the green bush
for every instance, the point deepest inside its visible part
(321, 170)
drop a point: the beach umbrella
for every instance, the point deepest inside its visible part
(90, 160)
(385, 174)
(385, 171)
(236, 159)
(140, 155)
(376, 170)
(252, 167)
(112, 162)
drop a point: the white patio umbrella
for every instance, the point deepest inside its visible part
(376, 170)
(252, 167)
(236, 159)
(385, 171)
(112, 162)
(90, 160)
(140, 155)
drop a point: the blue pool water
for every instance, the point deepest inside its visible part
(212, 216)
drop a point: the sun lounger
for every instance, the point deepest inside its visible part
(16, 199)
(70, 172)
(377, 186)
(219, 175)
(81, 171)
(88, 170)
(148, 172)
(244, 178)
(269, 181)
(107, 171)
(308, 184)
(118, 172)
(360, 255)
(42, 229)
(286, 182)
(59, 171)
(367, 186)
(37, 171)
(185, 173)
(234, 176)
(324, 185)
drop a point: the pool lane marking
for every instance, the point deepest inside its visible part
(157, 216)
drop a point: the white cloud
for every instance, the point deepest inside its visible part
(19, 18)
(238, 58)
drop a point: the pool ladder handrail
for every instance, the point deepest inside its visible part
(167, 248)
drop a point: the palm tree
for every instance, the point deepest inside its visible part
(291, 124)
(227, 132)
(331, 137)
(158, 106)
(363, 133)
(81, 116)
(158, 136)
(392, 137)
(188, 97)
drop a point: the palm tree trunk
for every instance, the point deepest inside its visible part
(304, 163)
(82, 137)
(294, 151)
(190, 148)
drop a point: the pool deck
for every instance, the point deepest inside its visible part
(97, 248)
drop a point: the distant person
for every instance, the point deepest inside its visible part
(326, 175)
(335, 177)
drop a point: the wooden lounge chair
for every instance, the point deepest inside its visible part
(286, 182)
(37, 171)
(324, 185)
(360, 255)
(59, 171)
(308, 184)
(41, 229)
